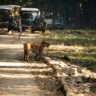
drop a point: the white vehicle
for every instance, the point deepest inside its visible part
(33, 11)
(29, 16)
(8, 7)
(5, 12)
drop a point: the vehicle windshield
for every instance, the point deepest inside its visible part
(26, 15)
(29, 13)
(4, 15)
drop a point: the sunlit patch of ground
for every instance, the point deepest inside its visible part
(28, 79)
(78, 75)
(80, 47)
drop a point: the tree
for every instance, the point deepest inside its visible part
(76, 13)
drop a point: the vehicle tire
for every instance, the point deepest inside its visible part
(32, 31)
(43, 31)
(23, 29)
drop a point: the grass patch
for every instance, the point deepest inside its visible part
(69, 37)
(86, 39)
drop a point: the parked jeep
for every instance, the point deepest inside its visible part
(31, 19)
(8, 18)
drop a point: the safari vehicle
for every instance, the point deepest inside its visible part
(29, 20)
(7, 16)
(58, 23)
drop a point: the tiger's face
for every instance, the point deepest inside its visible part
(45, 44)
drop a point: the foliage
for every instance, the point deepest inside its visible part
(76, 14)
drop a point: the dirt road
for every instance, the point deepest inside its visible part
(52, 77)
(18, 78)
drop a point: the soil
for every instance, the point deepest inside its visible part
(49, 77)
(19, 78)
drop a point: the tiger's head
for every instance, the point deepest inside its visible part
(45, 44)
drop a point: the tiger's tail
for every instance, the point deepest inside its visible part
(20, 38)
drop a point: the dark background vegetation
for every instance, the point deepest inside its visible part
(76, 13)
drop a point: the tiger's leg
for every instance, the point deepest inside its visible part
(26, 55)
(27, 58)
(39, 55)
(36, 56)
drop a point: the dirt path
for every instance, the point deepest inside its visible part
(52, 77)
(22, 79)
(18, 78)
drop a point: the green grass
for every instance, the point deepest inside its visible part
(81, 38)
(84, 41)
(72, 38)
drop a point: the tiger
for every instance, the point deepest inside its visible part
(35, 47)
